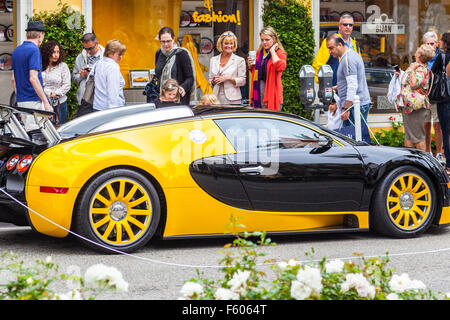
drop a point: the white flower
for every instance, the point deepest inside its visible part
(283, 265)
(71, 295)
(101, 275)
(400, 283)
(48, 259)
(30, 281)
(358, 282)
(300, 291)
(190, 289)
(447, 295)
(334, 266)
(239, 282)
(225, 294)
(311, 277)
(392, 296)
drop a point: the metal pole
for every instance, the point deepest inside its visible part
(317, 116)
(357, 112)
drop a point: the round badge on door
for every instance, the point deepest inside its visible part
(197, 136)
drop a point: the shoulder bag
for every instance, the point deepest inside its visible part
(440, 91)
(87, 101)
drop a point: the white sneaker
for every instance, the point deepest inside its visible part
(440, 158)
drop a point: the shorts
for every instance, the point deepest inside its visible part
(28, 119)
(413, 124)
(432, 115)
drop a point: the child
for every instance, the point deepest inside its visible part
(334, 114)
(170, 94)
(209, 99)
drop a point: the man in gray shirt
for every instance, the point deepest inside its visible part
(85, 61)
(351, 79)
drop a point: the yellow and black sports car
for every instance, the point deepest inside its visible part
(122, 176)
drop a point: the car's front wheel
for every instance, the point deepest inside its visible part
(118, 209)
(404, 203)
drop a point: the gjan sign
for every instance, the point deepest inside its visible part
(382, 28)
(219, 17)
(380, 23)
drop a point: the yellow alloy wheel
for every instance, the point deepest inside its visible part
(409, 201)
(120, 211)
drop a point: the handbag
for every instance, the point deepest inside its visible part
(440, 91)
(151, 89)
(87, 101)
(54, 102)
(349, 131)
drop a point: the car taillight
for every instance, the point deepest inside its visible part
(12, 162)
(24, 163)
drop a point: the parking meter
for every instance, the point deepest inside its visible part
(325, 76)
(307, 92)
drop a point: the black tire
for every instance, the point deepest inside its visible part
(119, 209)
(404, 203)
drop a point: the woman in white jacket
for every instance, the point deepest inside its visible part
(227, 71)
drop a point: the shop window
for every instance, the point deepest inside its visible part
(231, 15)
(388, 33)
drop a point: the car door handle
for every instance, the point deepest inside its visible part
(258, 169)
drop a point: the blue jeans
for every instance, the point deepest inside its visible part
(364, 109)
(443, 111)
(62, 112)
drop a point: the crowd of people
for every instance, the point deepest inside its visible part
(42, 79)
(413, 99)
(343, 54)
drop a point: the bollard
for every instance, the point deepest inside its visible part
(357, 113)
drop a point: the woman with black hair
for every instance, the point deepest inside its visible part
(173, 62)
(56, 78)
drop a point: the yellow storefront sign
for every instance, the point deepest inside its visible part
(218, 17)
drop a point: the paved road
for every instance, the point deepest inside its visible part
(152, 274)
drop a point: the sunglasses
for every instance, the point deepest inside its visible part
(347, 24)
(431, 43)
(228, 33)
(171, 86)
(91, 48)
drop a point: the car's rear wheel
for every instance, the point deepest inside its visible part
(404, 203)
(118, 209)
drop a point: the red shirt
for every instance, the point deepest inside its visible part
(273, 94)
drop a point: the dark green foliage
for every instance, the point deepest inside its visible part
(293, 24)
(67, 27)
(393, 137)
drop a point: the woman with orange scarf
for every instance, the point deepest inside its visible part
(266, 89)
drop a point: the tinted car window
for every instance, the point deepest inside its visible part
(247, 134)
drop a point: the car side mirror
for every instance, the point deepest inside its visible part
(325, 141)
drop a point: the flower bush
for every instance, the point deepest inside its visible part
(35, 282)
(394, 137)
(366, 279)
